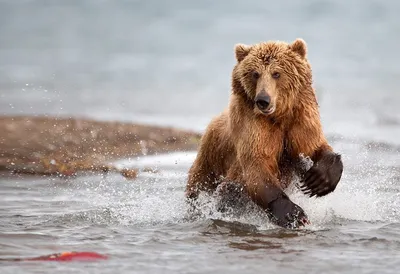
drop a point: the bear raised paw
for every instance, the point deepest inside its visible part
(272, 118)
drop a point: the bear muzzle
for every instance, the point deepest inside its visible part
(263, 103)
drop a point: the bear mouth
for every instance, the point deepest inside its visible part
(267, 111)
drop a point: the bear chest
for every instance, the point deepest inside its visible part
(288, 156)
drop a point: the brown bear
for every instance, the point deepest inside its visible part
(258, 141)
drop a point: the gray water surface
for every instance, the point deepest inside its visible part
(144, 226)
(169, 63)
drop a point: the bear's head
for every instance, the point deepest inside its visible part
(272, 75)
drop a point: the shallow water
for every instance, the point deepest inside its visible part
(149, 61)
(144, 227)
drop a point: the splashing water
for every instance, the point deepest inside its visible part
(144, 223)
(364, 194)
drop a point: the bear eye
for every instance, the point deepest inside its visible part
(255, 75)
(276, 75)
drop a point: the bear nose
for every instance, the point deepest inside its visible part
(263, 102)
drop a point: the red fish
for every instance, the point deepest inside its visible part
(67, 256)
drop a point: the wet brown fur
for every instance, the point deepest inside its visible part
(262, 151)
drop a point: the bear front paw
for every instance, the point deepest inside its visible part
(323, 177)
(287, 214)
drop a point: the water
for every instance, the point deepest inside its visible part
(169, 63)
(143, 225)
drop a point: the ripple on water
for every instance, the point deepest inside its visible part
(145, 224)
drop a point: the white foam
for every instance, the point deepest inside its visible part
(159, 197)
(182, 160)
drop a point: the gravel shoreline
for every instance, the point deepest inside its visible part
(67, 146)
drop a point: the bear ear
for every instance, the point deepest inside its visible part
(241, 51)
(300, 47)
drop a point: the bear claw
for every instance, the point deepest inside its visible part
(323, 177)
